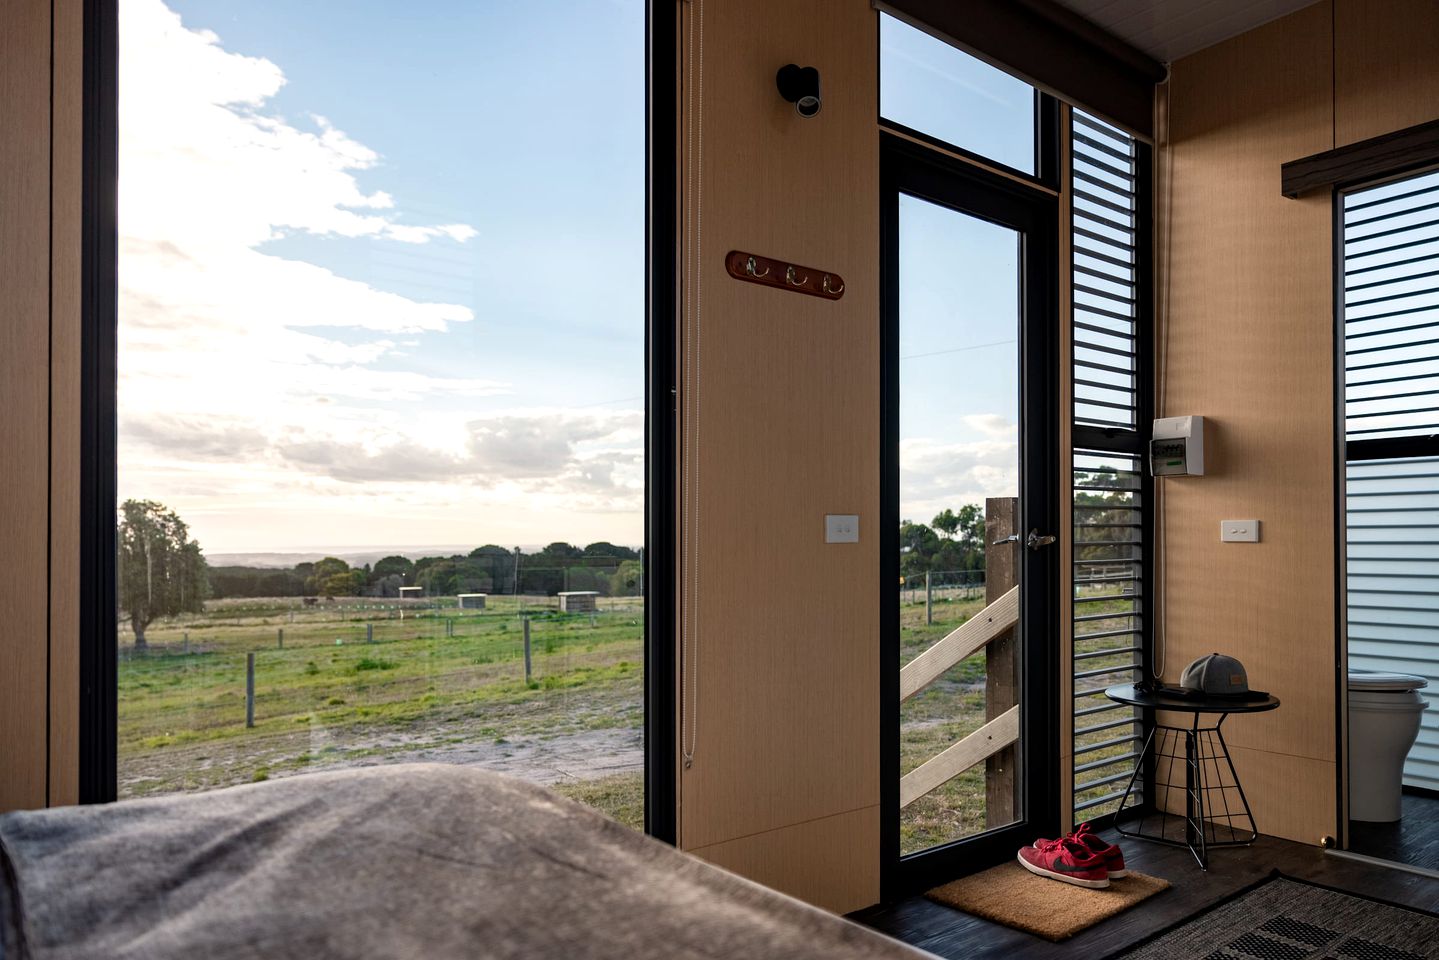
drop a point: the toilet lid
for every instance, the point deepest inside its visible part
(1386, 681)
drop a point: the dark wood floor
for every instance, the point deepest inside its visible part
(1414, 839)
(949, 933)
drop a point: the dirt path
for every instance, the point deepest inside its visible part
(544, 758)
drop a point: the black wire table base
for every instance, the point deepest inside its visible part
(1195, 799)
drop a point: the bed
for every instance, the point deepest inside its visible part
(415, 861)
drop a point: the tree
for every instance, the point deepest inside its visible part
(162, 571)
(322, 573)
(946, 522)
(393, 566)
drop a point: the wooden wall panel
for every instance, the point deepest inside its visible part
(24, 395)
(67, 118)
(833, 860)
(1386, 73)
(786, 718)
(1250, 348)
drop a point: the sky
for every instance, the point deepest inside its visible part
(373, 273)
(368, 284)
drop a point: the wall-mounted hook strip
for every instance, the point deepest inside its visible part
(769, 272)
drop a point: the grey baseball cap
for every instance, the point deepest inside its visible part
(1216, 675)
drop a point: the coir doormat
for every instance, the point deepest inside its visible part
(1011, 895)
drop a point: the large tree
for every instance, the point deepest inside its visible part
(162, 571)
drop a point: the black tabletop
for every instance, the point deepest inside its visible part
(1125, 693)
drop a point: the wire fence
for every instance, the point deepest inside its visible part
(933, 586)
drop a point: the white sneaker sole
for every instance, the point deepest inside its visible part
(1118, 874)
(1062, 877)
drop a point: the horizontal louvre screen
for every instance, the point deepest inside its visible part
(1107, 605)
(1105, 280)
(1108, 625)
(1392, 566)
(1391, 310)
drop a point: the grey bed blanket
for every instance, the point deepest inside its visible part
(419, 861)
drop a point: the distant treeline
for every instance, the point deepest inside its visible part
(609, 569)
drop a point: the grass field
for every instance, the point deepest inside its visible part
(432, 683)
(443, 684)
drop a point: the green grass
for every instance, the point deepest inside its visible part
(622, 796)
(329, 698)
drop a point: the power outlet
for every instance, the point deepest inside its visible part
(841, 528)
(1239, 531)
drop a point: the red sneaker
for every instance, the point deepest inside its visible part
(1066, 860)
(1110, 853)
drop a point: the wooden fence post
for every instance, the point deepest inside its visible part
(249, 689)
(369, 633)
(1001, 675)
(280, 638)
(928, 601)
(526, 622)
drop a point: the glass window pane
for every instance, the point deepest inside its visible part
(380, 397)
(929, 86)
(959, 428)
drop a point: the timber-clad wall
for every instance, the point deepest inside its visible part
(40, 132)
(1251, 348)
(784, 787)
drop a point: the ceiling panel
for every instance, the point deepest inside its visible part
(1170, 29)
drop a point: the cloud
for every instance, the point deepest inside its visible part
(263, 394)
(991, 425)
(934, 475)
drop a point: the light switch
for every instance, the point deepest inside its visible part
(1239, 531)
(841, 528)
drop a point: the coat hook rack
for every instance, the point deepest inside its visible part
(781, 275)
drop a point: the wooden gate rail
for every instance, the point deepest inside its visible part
(980, 745)
(992, 630)
(959, 643)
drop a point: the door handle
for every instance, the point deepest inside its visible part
(1012, 538)
(1035, 541)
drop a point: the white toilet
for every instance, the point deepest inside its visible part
(1384, 713)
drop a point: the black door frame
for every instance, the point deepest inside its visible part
(915, 170)
(99, 325)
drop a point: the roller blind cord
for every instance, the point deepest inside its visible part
(689, 519)
(1161, 561)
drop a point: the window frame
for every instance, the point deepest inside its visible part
(1359, 175)
(1047, 132)
(98, 700)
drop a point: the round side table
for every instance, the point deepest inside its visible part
(1192, 760)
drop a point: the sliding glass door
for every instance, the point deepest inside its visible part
(971, 560)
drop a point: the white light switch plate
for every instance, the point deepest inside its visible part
(841, 528)
(1239, 531)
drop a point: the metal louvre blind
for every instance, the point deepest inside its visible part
(1105, 279)
(1107, 471)
(1108, 624)
(1391, 310)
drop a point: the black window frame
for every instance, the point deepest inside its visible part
(911, 169)
(98, 702)
(1047, 133)
(1357, 167)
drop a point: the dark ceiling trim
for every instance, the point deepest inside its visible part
(1383, 156)
(1052, 48)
